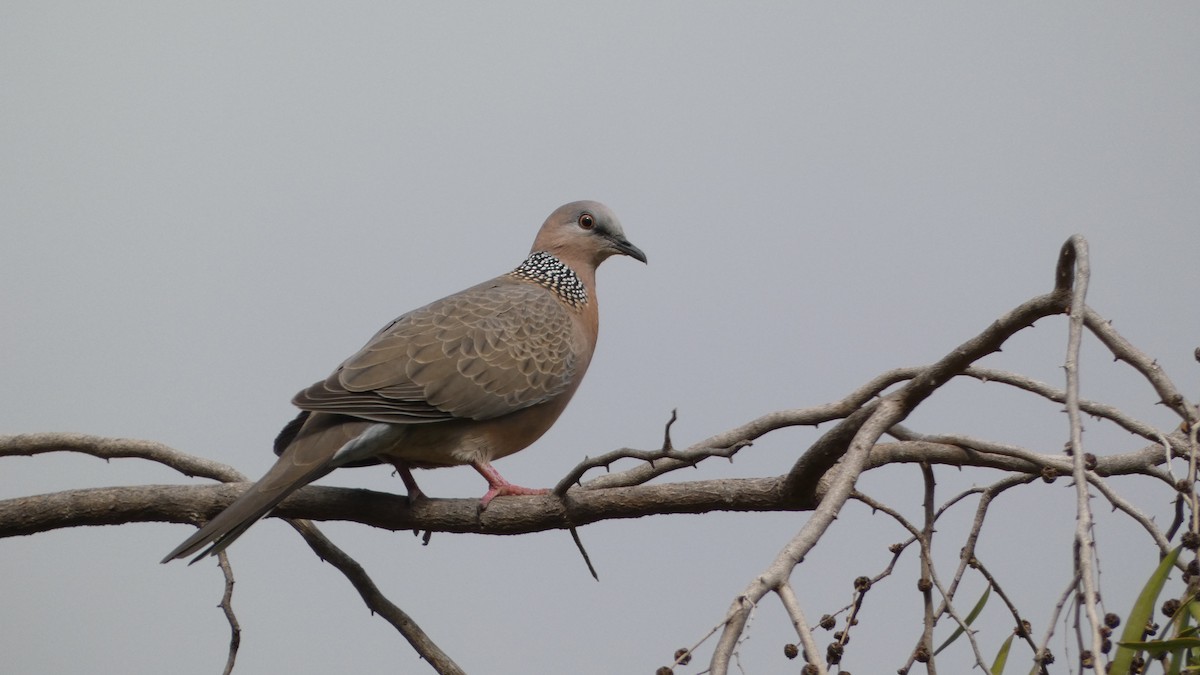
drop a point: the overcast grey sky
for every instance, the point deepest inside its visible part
(206, 207)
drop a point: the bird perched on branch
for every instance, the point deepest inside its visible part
(467, 379)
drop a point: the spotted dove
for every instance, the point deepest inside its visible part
(467, 379)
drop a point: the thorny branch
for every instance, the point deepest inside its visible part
(925, 537)
(118, 448)
(820, 480)
(1084, 545)
(822, 456)
(235, 629)
(374, 599)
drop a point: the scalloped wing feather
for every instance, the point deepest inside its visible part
(488, 351)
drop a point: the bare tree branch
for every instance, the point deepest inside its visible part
(1084, 545)
(791, 604)
(1093, 408)
(235, 629)
(375, 600)
(196, 503)
(91, 503)
(925, 537)
(28, 445)
(820, 479)
(884, 416)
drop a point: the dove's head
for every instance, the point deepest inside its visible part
(584, 234)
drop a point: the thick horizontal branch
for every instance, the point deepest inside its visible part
(511, 515)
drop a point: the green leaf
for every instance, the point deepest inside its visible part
(1156, 647)
(1183, 629)
(1193, 608)
(1002, 657)
(1176, 663)
(1143, 609)
(970, 618)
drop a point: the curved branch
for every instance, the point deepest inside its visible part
(889, 411)
(821, 457)
(1123, 350)
(376, 601)
(28, 445)
(235, 628)
(94, 504)
(1096, 409)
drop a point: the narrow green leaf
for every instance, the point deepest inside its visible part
(1183, 629)
(970, 618)
(1002, 656)
(1193, 608)
(1143, 609)
(1156, 647)
(1176, 663)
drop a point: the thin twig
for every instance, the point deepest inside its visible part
(1191, 481)
(657, 463)
(1105, 465)
(235, 629)
(106, 448)
(885, 414)
(926, 540)
(1021, 631)
(31, 444)
(1123, 350)
(1039, 654)
(1050, 393)
(788, 597)
(962, 623)
(374, 599)
(740, 436)
(986, 497)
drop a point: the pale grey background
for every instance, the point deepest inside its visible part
(205, 207)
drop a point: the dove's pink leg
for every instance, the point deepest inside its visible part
(498, 487)
(410, 483)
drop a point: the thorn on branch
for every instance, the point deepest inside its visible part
(583, 551)
(666, 446)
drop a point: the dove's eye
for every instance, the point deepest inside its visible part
(586, 221)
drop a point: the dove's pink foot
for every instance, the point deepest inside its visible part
(498, 487)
